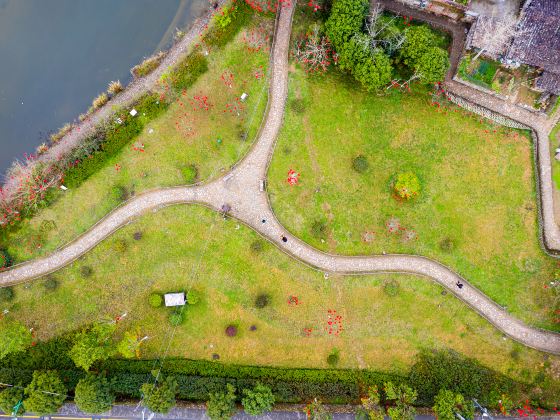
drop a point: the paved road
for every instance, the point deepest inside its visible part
(240, 190)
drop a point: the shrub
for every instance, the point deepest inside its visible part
(6, 294)
(447, 245)
(93, 394)
(315, 410)
(231, 330)
(360, 164)
(5, 259)
(433, 65)
(219, 35)
(50, 284)
(137, 236)
(47, 226)
(371, 408)
(448, 404)
(86, 271)
(14, 338)
(9, 397)
(345, 20)
(190, 173)
(176, 318)
(221, 405)
(298, 105)
(148, 65)
(42, 148)
(92, 344)
(407, 185)
(120, 246)
(45, 394)
(155, 300)
(262, 300)
(187, 72)
(257, 246)
(258, 400)
(129, 346)
(402, 396)
(100, 100)
(65, 129)
(224, 19)
(193, 297)
(391, 287)
(333, 357)
(160, 397)
(120, 193)
(115, 87)
(319, 229)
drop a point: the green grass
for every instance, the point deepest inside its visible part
(190, 247)
(477, 187)
(168, 149)
(554, 142)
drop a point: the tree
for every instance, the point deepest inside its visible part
(419, 39)
(495, 33)
(45, 394)
(371, 68)
(370, 408)
(315, 410)
(447, 403)
(221, 405)
(93, 344)
(314, 51)
(258, 400)
(402, 396)
(383, 31)
(345, 20)
(160, 396)
(14, 337)
(93, 394)
(9, 397)
(433, 65)
(407, 185)
(129, 346)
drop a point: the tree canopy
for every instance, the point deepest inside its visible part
(160, 397)
(14, 337)
(258, 400)
(93, 344)
(346, 19)
(45, 394)
(9, 397)
(447, 403)
(93, 394)
(419, 39)
(221, 405)
(432, 65)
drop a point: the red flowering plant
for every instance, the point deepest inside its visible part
(314, 51)
(268, 5)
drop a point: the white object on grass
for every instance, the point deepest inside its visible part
(133, 112)
(63, 188)
(244, 96)
(174, 299)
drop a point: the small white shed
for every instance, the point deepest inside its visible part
(174, 299)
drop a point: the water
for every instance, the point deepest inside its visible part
(57, 55)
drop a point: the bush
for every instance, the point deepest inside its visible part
(360, 164)
(391, 288)
(219, 35)
(448, 404)
(65, 129)
(5, 259)
(120, 246)
(447, 245)
(50, 284)
(190, 173)
(155, 300)
(120, 193)
(257, 246)
(6, 294)
(148, 65)
(333, 357)
(319, 229)
(221, 405)
(92, 344)
(14, 338)
(231, 330)
(176, 318)
(407, 185)
(137, 236)
(160, 397)
(262, 300)
(86, 271)
(93, 394)
(45, 394)
(193, 297)
(9, 397)
(115, 87)
(100, 100)
(258, 400)
(187, 72)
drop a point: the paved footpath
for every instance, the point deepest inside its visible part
(239, 188)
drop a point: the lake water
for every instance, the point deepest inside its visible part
(57, 55)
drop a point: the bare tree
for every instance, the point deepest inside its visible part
(493, 34)
(315, 51)
(382, 33)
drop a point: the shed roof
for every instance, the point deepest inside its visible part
(174, 299)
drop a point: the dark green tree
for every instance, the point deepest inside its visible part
(9, 397)
(45, 394)
(221, 405)
(93, 394)
(14, 337)
(447, 403)
(346, 19)
(160, 397)
(258, 400)
(419, 39)
(402, 397)
(432, 65)
(93, 344)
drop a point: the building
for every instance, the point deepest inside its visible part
(174, 299)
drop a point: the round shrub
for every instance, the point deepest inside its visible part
(333, 358)
(231, 330)
(155, 300)
(407, 185)
(262, 300)
(360, 164)
(6, 294)
(5, 259)
(447, 245)
(176, 318)
(257, 246)
(391, 288)
(190, 173)
(86, 271)
(193, 297)
(319, 229)
(120, 193)
(50, 284)
(120, 246)
(137, 236)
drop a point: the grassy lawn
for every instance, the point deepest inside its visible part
(190, 247)
(477, 187)
(181, 137)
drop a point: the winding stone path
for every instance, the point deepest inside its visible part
(240, 189)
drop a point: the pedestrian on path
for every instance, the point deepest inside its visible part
(459, 284)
